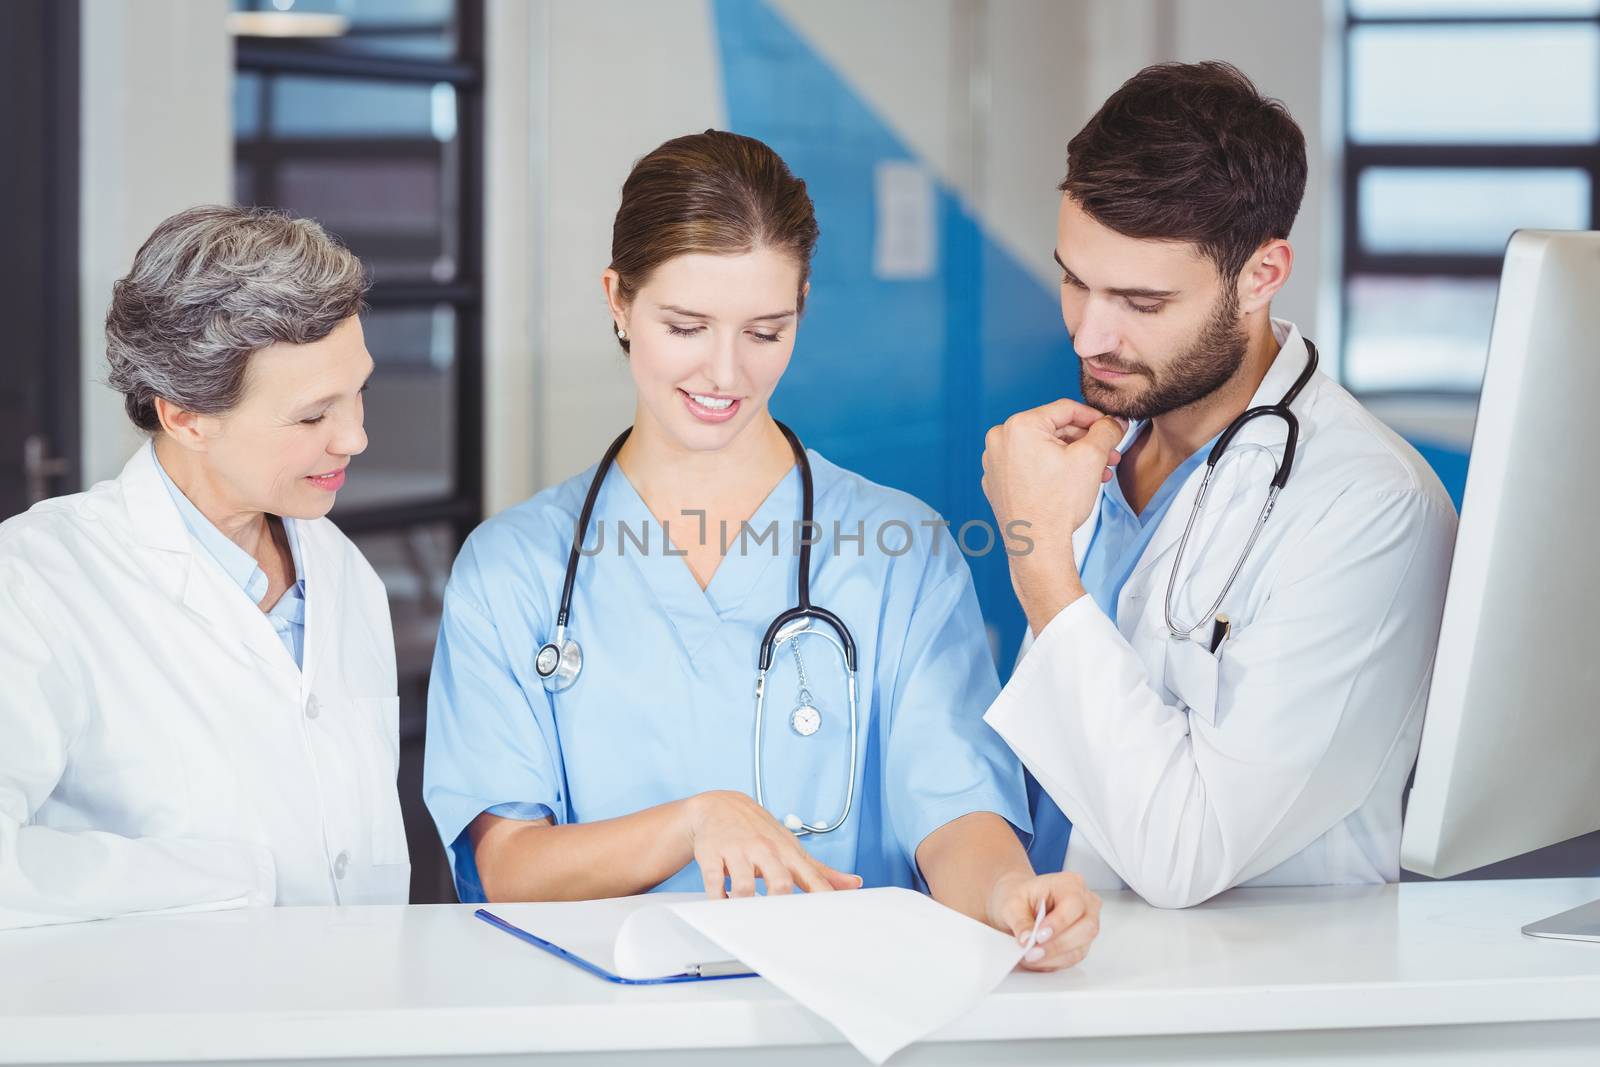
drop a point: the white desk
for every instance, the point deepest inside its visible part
(1399, 974)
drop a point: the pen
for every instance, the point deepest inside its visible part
(1221, 627)
(1033, 935)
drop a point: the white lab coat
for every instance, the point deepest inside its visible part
(159, 748)
(1281, 760)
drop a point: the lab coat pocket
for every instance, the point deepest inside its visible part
(1191, 677)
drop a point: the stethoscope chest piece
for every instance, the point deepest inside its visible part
(558, 663)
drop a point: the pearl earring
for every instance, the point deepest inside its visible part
(622, 335)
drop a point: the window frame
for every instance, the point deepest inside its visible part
(1359, 157)
(462, 507)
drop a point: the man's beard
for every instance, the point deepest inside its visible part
(1206, 365)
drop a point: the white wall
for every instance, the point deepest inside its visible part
(575, 94)
(1281, 45)
(157, 82)
(157, 137)
(618, 79)
(514, 209)
(1037, 57)
(987, 92)
(968, 84)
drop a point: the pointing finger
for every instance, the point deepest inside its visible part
(809, 874)
(840, 879)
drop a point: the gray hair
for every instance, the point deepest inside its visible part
(212, 286)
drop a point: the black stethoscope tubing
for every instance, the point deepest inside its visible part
(803, 608)
(1281, 410)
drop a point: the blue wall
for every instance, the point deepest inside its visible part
(899, 380)
(1449, 463)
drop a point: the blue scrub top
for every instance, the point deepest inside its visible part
(664, 706)
(1120, 537)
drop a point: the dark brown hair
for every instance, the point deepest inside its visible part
(715, 193)
(1191, 152)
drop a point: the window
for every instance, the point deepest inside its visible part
(1464, 120)
(365, 115)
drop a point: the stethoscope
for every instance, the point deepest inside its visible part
(559, 662)
(1220, 624)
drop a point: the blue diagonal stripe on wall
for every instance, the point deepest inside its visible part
(897, 380)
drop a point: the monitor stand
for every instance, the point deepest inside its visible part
(1579, 924)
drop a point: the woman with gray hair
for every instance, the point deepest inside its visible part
(199, 707)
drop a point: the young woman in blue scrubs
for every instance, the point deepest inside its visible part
(638, 776)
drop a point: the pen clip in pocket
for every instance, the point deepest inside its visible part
(1190, 675)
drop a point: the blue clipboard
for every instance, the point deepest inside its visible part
(595, 969)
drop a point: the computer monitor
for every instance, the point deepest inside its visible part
(1510, 757)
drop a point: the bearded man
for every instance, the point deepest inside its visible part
(1235, 573)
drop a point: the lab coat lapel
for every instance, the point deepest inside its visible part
(1085, 533)
(209, 593)
(152, 515)
(322, 562)
(190, 576)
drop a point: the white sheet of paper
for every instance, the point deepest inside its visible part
(885, 966)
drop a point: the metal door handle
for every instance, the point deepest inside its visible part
(38, 467)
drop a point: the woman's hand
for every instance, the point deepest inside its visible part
(1071, 918)
(735, 838)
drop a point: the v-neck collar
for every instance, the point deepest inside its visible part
(697, 613)
(1156, 506)
(240, 566)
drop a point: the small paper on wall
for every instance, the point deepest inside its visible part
(906, 242)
